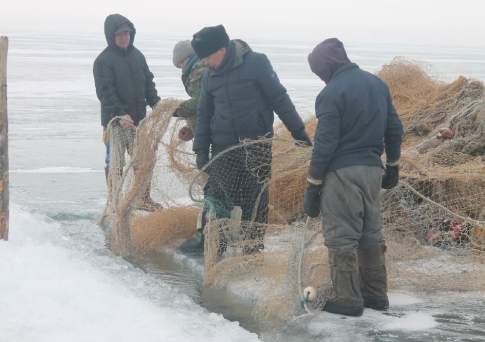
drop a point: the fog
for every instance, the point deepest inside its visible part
(445, 22)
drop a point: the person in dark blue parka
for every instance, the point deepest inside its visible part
(357, 122)
(124, 86)
(240, 94)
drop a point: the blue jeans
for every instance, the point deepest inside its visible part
(106, 154)
(123, 139)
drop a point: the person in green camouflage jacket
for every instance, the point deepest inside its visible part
(193, 69)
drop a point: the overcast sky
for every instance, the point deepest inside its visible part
(440, 22)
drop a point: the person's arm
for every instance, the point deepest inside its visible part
(151, 94)
(193, 89)
(106, 88)
(327, 134)
(276, 94)
(393, 134)
(205, 111)
(392, 143)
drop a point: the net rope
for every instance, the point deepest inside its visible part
(258, 244)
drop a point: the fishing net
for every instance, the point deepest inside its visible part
(258, 246)
(134, 165)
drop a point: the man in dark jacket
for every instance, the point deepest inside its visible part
(239, 95)
(124, 85)
(356, 123)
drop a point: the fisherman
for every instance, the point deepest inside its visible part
(185, 58)
(193, 69)
(357, 122)
(124, 86)
(239, 95)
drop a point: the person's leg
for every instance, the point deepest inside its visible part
(223, 182)
(254, 205)
(147, 203)
(115, 156)
(372, 247)
(195, 245)
(342, 220)
(342, 208)
(254, 193)
(106, 161)
(215, 203)
(263, 175)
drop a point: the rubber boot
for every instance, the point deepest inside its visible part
(345, 297)
(194, 245)
(373, 275)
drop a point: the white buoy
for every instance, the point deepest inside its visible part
(309, 293)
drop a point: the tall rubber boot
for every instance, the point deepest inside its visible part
(195, 245)
(373, 275)
(345, 297)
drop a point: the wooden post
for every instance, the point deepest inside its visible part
(3, 140)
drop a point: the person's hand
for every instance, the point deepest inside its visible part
(126, 121)
(302, 137)
(311, 201)
(391, 176)
(201, 159)
(177, 112)
(182, 112)
(185, 133)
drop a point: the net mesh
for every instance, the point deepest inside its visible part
(257, 244)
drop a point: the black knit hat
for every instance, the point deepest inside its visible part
(209, 40)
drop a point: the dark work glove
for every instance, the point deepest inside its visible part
(311, 202)
(302, 137)
(182, 112)
(391, 176)
(201, 159)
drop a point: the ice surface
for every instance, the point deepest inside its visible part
(54, 293)
(402, 299)
(59, 169)
(412, 321)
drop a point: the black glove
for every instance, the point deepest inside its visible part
(311, 202)
(301, 136)
(201, 159)
(391, 177)
(182, 112)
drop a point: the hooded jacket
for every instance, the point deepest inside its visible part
(192, 74)
(238, 101)
(123, 81)
(327, 57)
(356, 122)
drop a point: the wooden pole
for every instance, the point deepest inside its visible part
(3, 140)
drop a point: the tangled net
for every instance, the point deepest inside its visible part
(434, 220)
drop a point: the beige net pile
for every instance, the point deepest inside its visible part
(257, 244)
(132, 171)
(435, 219)
(256, 232)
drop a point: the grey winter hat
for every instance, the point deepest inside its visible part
(209, 40)
(181, 51)
(124, 28)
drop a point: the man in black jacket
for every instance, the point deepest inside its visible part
(240, 93)
(357, 122)
(124, 85)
